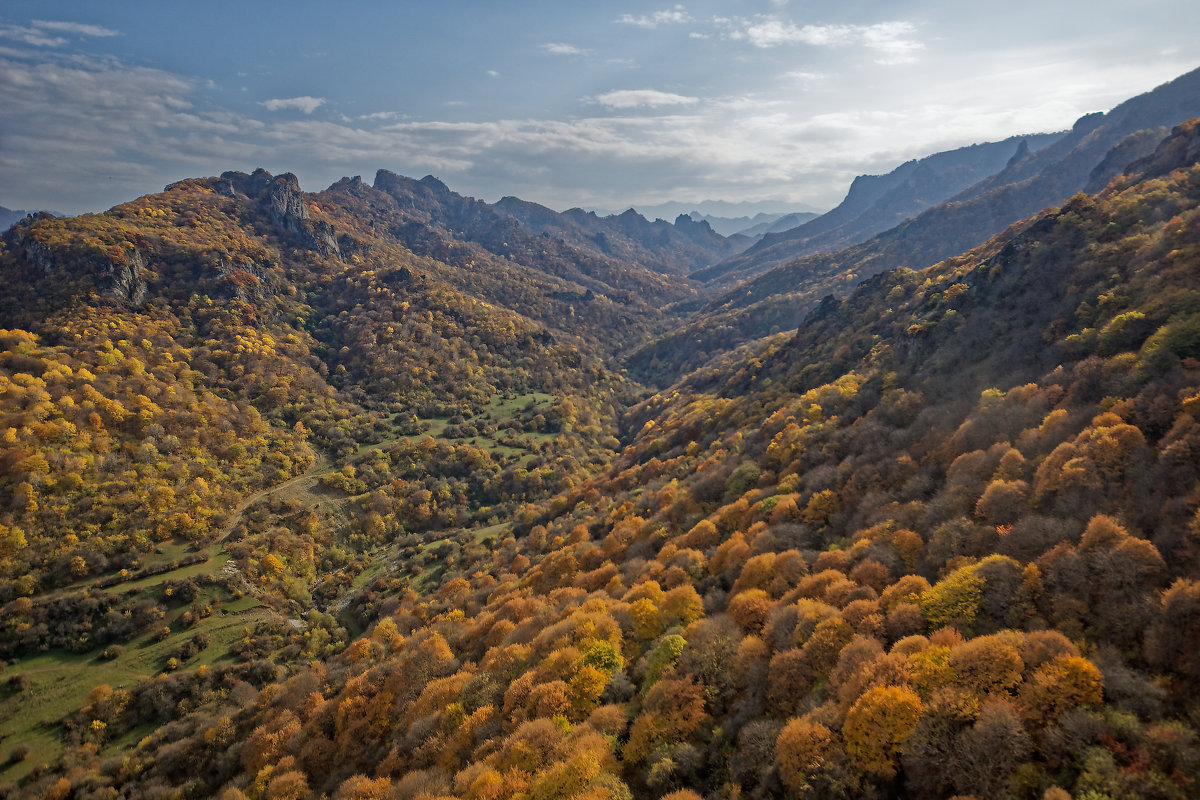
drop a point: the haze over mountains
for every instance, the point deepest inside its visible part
(9, 216)
(726, 217)
(876, 203)
(386, 492)
(770, 223)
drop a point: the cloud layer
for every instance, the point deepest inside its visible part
(77, 28)
(46, 33)
(562, 49)
(765, 107)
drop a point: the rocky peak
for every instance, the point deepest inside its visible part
(435, 185)
(285, 204)
(687, 224)
(242, 184)
(1088, 122)
(1022, 151)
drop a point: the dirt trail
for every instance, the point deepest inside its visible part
(320, 466)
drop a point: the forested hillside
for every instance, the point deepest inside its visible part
(348, 495)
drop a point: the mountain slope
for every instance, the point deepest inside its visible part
(427, 208)
(184, 350)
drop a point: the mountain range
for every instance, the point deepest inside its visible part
(388, 492)
(774, 297)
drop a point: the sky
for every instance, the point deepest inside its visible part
(769, 104)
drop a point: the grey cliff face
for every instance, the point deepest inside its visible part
(126, 283)
(287, 209)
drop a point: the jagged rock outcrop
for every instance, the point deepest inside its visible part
(126, 282)
(1017, 157)
(284, 202)
(37, 257)
(251, 282)
(285, 205)
(116, 277)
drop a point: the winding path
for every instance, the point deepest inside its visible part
(320, 466)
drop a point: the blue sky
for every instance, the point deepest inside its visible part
(601, 104)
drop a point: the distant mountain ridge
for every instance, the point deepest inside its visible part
(625, 243)
(779, 224)
(1098, 147)
(10, 217)
(720, 209)
(679, 247)
(876, 203)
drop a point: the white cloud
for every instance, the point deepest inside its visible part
(30, 36)
(305, 103)
(893, 41)
(563, 49)
(670, 16)
(77, 28)
(379, 115)
(491, 73)
(643, 98)
(805, 78)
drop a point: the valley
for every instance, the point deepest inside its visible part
(388, 492)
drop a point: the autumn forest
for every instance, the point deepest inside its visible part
(387, 492)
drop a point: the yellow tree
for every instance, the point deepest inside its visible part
(878, 725)
(803, 747)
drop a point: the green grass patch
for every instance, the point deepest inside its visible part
(60, 682)
(497, 531)
(378, 561)
(510, 407)
(168, 552)
(210, 567)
